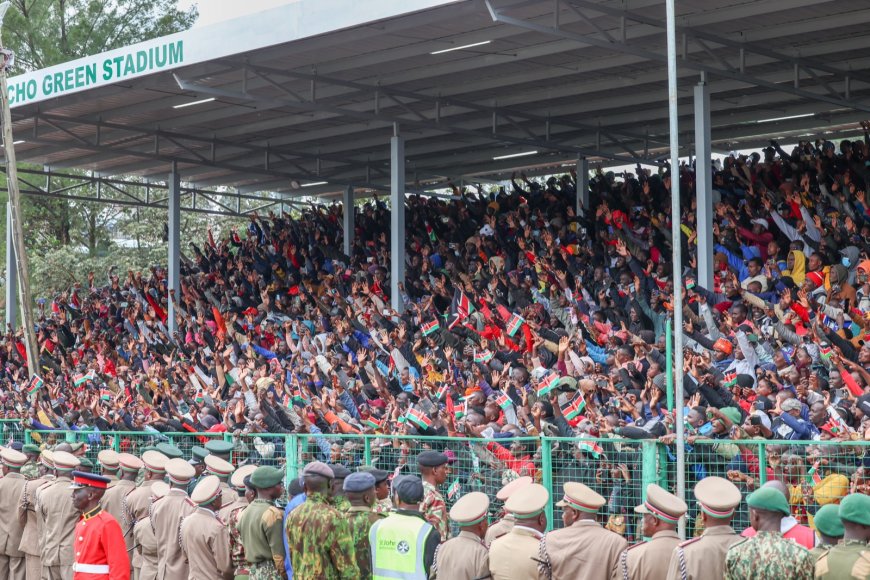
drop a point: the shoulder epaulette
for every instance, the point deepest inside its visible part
(740, 543)
(633, 546)
(689, 541)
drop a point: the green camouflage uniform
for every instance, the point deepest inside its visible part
(341, 503)
(30, 470)
(259, 527)
(770, 556)
(360, 520)
(383, 507)
(851, 559)
(237, 550)
(434, 510)
(319, 541)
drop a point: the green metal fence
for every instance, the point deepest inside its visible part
(815, 472)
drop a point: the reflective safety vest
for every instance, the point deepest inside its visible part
(397, 547)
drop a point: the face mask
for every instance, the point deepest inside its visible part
(845, 261)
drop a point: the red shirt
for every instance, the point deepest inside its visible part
(99, 545)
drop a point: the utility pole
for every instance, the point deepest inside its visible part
(6, 59)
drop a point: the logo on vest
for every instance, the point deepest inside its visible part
(403, 547)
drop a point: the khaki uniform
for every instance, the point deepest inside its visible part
(224, 512)
(498, 529)
(11, 528)
(583, 551)
(115, 503)
(702, 557)
(205, 543)
(58, 520)
(850, 559)
(228, 494)
(647, 560)
(30, 537)
(514, 555)
(166, 516)
(138, 503)
(146, 549)
(461, 558)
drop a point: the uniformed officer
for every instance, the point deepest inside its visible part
(31, 537)
(829, 528)
(170, 450)
(11, 528)
(237, 485)
(465, 556)
(139, 500)
(166, 517)
(383, 505)
(582, 549)
(58, 520)
(85, 465)
(109, 466)
(704, 556)
(220, 448)
(31, 468)
(197, 460)
(506, 522)
(222, 469)
(115, 498)
(205, 541)
(230, 516)
(850, 559)
(337, 498)
(434, 471)
(767, 554)
(661, 513)
(318, 536)
(515, 554)
(145, 542)
(359, 489)
(260, 528)
(99, 543)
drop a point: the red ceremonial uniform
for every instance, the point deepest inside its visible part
(100, 551)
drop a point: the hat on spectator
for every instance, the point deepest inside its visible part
(129, 462)
(380, 475)
(816, 278)
(266, 476)
(47, 458)
(318, 468)
(197, 454)
(528, 502)
(339, 471)
(790, 405)
(764, 418)
(206, 491)
(470, 509)
(855, 508)
(768, 499)
(832, 488)
(13, 459)
(717, 497)
(723, 345)
(510, 488)
(222, 449)
(238, 478)
(30, 448)
(431, 459)
(733, 414)
(82, 479)
(217, 466)
(410, 489)
(359, 482)
(154, 461)
(108, 458)
(64, 461)
(761, 222)
(159, 489)
(169, 450)
(179, 471)
(828, 522)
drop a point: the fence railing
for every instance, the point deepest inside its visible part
(815, 472)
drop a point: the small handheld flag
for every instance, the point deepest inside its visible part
(573, 409)
(80, 379)
(35, 384)
(420, 418)
(504, 401)
(454, 489)
(514, 324)
(373, 423)
(483, 356)
(548, 384)
(430, 327)
(590, 447)
(730, 379)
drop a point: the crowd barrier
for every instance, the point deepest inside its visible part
(816, 472)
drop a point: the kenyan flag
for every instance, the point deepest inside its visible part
(827, 352)
(419, 418)
(483, 356)
(35, 384)
(591, 447)
(813, 475)
(730, 379)
(106, 394)
(80, 379)
(373, 423)
(430, 328)
(573, 409)
(454, 489)
(442, 392)
(514, 324)
(504, 401)
(548, 384)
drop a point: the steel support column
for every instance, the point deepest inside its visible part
(173, 204)
(11, 272)
(397, 220)
(582, 185)
(347, 213)
(703, 185)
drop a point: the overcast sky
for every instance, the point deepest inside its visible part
(216, 10)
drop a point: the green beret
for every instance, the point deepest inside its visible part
(265, 477)
(855, 508)
(768, 499)
(86, 463)
(170, 450)
(142, 450)
(219, 447)
(827, 521)
(198, 453)
(30, 448)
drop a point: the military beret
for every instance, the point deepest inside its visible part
(108, 458)
(509, 488)
(318, 468)
(578, 497)
(339, 471)
(207, 489)
(768, 499)
(359, 482)
(380, 475)
(828, 522)
(470, 509)
(855, 508)
(154, 461)
(431, 459)
(717, 496)
(85, 463)
(30, 448)
(217, 466)
(528, 502)
(129, 462)
(238, 478)
(179, 471)
(265, 477)
(219, 447)
(662, 504)
(410, 489)
(198, 454)
(12, 458)
(64, 461)
(169, 450)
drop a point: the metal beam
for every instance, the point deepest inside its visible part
(582, 186)
(397, 221)
(174, 257)
(11, 273)
(347, 219)
(703, 185)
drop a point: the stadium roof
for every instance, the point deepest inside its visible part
(312, 91)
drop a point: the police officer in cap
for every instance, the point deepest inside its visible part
(516, 554)
(434, 471)
(661, 514)
(465, 556)
(99, 542)
(359, 489)
(383, 505)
